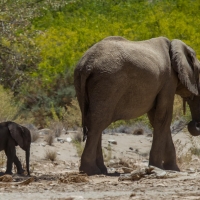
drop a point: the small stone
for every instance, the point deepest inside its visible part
(127, 169)
(60, 140)
(112, 141)
(69, 139)
(138, 132)
(133, 195)
(150, 135)
(161, 174)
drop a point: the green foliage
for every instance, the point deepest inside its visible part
(9, 109)
(72, 116)
(39, 52)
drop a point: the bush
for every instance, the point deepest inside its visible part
(77, 141)
(57, 128)
(50, 155)
(49, 138)
(34, 136)
(137, 128)
(2, 159)
(9, 109)
(72, 116)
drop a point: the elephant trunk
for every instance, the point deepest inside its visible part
(194, 128)
(27, 161)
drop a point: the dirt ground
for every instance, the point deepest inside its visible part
(59, 179)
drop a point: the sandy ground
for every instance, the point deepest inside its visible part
(128, 151)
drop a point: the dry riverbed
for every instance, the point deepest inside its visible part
(124, 153)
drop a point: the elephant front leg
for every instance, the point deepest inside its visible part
(162, 154)
(10, 154)
(169, 162)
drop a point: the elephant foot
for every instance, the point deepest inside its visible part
(168, 166)
(10, 173)
(103, 168)
(20, 171)
(90, 169)
(158, 165)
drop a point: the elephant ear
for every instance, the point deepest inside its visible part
(185, 63)
(16, 133)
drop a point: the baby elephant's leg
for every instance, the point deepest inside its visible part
(10, 158)
(18, 165)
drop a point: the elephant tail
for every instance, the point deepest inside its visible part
(80, 80)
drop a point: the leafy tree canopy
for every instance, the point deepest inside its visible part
(41, 40)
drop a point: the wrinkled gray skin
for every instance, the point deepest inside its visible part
(11, 135)
(120, 79)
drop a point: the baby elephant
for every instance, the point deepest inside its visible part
(11, 135)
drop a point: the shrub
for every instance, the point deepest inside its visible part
(57, 128)
(78, 136)
(8, 107)
(107, 154)
(34, 136)
(136, 129)
(50, 155)
(77, 141)
(49, 138)
(2, 158)
(72, 116)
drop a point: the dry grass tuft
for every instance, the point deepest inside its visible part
(107, 154)
(2, 158)
(72, 116)
(138, 131)
(137, 128)
(34, 136)
(183, 155)
(57, 128)
(49, 138)
(195, 148)
(50, 155)
(73, 178)
(78, 136)
(77, 141)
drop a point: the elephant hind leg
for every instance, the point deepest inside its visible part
(88, 158)
(18, 164)
(92, 158)
(99, 157)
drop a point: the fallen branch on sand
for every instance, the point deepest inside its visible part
(6, 180)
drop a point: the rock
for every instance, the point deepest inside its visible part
(77, 197)
(130, 148)
(31, 127)
(150, 135)
(127, 169)
(44, 131)
(112, 141)
(69, 139)
(63, 131)
(138, 131)
(161, 174)
(60, 140)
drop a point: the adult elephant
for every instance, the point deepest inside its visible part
(11, 135)
(121, 79)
